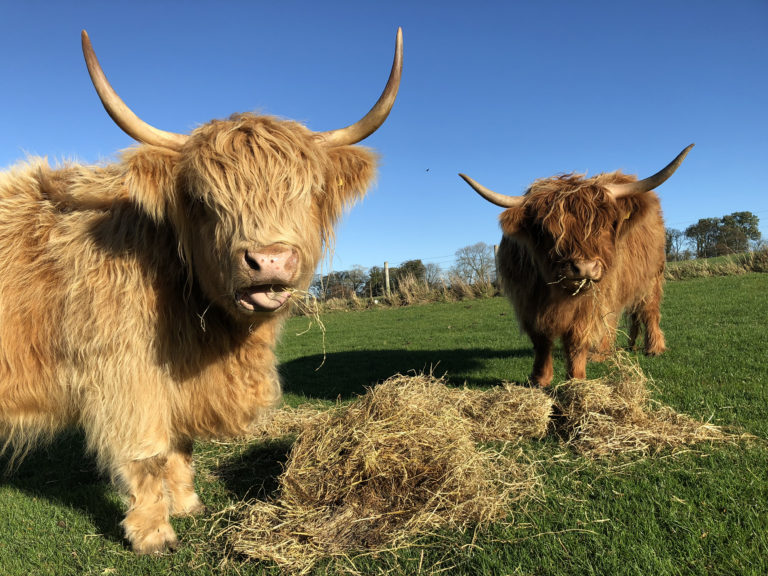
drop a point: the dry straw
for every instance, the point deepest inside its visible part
(407, 460)
(615, 414)
(398, 463)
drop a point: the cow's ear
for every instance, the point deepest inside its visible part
(151, 180)
(511, 220)
(633, 209)
(350, 174)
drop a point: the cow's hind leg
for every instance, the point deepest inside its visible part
(649, 313)
(179, 482)
(146, 524)
(575, 356)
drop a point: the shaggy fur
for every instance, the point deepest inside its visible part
(117, 306)
(565, 225)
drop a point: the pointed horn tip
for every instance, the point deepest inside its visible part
(680, 157)
(468, 180)
(376, 116)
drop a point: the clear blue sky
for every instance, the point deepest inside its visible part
(505, 91)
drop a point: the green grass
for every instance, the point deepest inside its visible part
(700, 512)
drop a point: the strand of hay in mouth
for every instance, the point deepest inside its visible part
(397, 464)
(308, 306)
(615, 414)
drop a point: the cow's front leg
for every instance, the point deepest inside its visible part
(575, 357)
(146, 524)
(179, 482)
(543, 370)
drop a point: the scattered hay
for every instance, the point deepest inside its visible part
(615, 414)
(287, 421)
(406, 460)
(396, 464)
(504, 413)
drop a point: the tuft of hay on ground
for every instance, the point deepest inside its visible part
(615, 414)
(396, 464)
(505, 413)
(287, 421)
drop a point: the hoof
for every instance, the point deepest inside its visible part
(152, 542)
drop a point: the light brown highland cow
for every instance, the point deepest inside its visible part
(575, 253)
(141, 300)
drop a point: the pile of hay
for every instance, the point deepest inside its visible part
(505, 413)
(405, 460)
(398, 463)
(615, 414)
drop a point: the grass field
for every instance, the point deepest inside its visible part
(704, 511)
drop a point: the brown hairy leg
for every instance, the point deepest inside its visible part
(649, 313)
(179, 482)
(146, 523)
(543, 370)
(575, 357)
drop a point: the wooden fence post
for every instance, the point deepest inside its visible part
(386, 278)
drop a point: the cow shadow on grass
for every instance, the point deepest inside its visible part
(252, 472)
(64, 473)
(344, 375)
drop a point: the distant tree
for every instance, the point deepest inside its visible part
(357, 278)
(432, 274)
(736, 231)
(726, 235)
(674, 244)
(414, 268)
(340, 284)
(475, 263)
(375, 284)
(704, 236)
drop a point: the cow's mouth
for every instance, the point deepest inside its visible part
(577, 285)
(262, 298)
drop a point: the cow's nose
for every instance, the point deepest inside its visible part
(589, 269)
(276, 263)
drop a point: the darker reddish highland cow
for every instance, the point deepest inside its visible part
(575, 253)
(141, 300)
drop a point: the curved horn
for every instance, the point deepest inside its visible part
(647, 184)
(123, 116)
(369, 123)
(493, 197)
